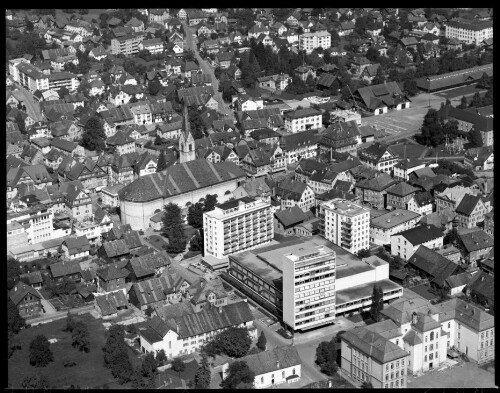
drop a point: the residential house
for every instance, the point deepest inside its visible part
(480, 159)
(27, 300)
(378, 98)
(295, 193)
(379, 157)
(108, 305)
(112, 278)
(148, 266)
(75, 247)
(481, 289)
(399, 195)
(178, 336)
(384, 226)
(476, 245)
(340, 137)
(421, 203)
(286, 220)
(404, 244)
(271, 368)
(34, 279)
(373, 190)
(158, 291)
(471, 210)
(77, 202)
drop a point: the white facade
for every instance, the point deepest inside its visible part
(237, 226)
(302, 123)
(345, 224)
(402, 247)
(303, 306)
(381, 232)
(413, 206)
(467, 34)
(311, 41)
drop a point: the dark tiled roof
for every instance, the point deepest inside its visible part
(157, 289)
(274, 360)
(209, 320)
(401, 189)
(33, 277)
(77, 244)
(20, 290)
(467, 204)
(111, 272)
(147, 264)
(373, 344)
(177, 180)
(421, 234)
(110, 302)
(116, 248)
(291, 189)
(477, 240)
(291, 216)
(61, 269)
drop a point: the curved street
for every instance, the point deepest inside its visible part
(207, 69)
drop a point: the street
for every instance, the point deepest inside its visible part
(207, 69)
(306, 343)
(53, 316)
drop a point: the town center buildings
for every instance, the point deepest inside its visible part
(309, 282)
(237, 225)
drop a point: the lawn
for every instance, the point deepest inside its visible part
(89, 370)
(187, 374)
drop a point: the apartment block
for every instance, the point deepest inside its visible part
(311, 41)
(63, 79)
(307, 285)
(31, 77)
(302, 119)
(38, 222)
(237, 225)
(404, 244)
(127, 45)
(391, 223)
(469, 31)
(345, 224)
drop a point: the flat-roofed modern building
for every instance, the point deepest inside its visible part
(345, 224)
(237, 225)
(388, 224)
(343, 283)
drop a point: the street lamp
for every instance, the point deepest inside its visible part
(429, 91)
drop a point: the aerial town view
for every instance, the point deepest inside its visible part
(250, 198)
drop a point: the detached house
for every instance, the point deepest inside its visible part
(374, 189)
(404, 244)
(122, 143)
(74, 248)
(399, 195)
(477, 245)
(340, 137)
(470, 211)
(421, 203)
(295, 193)
(379, 157)
(112, 278)
(27, 300)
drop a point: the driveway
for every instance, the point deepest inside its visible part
(207, 69)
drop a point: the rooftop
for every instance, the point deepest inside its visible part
(393, 218)
(344, 207)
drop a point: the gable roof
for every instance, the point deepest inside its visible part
(20, 290)
(61, 269)
(110, 302)
(147, 264)
(476, 240)
(211, 319)
(291, 216)
(157, 289)
(421, 234)
(467, 204)
(179, 179)
(116, 248)
(276, 359)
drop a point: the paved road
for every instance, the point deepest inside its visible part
(207, 69)
(49, 317)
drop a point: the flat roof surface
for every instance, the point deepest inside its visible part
(393, 218)
(344, 207)
(361, 291)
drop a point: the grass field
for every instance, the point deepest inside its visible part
(157, 242)
(89, 370)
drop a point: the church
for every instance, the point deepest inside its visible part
(183, 184)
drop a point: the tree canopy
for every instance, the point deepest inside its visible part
(238, 373)
(81, 337)
(173, 229)
(262, 341)
(377, 302)
(325, 357)
(116, 354)
(94, 136)
(202, 378)
(234, 342)
(40, 352)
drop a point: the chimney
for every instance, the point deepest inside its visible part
(414, 318)
(220, 310)
(277, 364)
(466, 306)
(482, 278)
(472, 311)
(177, 328)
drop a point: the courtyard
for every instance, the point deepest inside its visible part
(462, 375)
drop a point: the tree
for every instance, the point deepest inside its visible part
(476, 100)
(325, 357)
(94, 136)
(149, 365)
(432, 130)
(13, 272)
(234, 342)
(475, 138)
(463, 103)
(14, 321)
(262, 341)
(70, 322)
(372, 54)
(364, 253)
(161, 357)
(210, 202)
(63, 91)
(410, 86)
(116, 354)
(40, 352)
(377, 303)
(238, 373)
(162, 161)
(197, 242)
(20, 122)
(195, 215)
(35, 382)
(154, 87)
(379, 77)
(80, 336)
(203, 376)
(178, 366)
(173, 229)
(137, 381)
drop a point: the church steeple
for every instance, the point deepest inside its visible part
(186, 140)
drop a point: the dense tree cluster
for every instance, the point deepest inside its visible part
(94, 137)
(203, 376)
(239, 376)
(234, 342)
(173, 229)
(116, 355)
(40, 352)
(326, 357)
(377, 303)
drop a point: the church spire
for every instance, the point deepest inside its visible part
(187, 125)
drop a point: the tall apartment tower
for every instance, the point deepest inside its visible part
(308, 285)
(186, 141)
(237, 225)
(345, 224)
